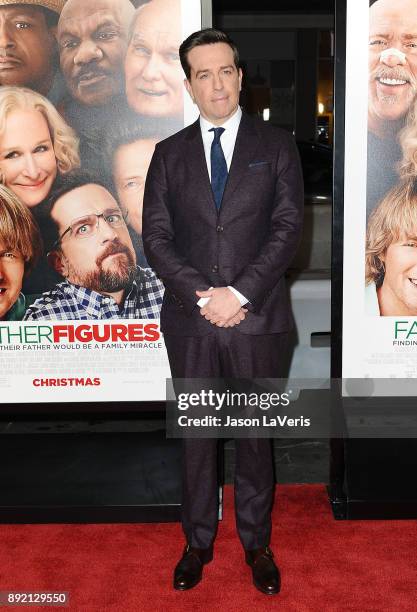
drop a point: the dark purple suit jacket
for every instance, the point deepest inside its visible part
(248, 244)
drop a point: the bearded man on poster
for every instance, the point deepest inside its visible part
(89, 246)
(221, 250)
(392, 90)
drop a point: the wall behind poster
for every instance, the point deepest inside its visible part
(380, 209)
(118, 83)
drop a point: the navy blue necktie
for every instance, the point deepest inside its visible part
(218, 166)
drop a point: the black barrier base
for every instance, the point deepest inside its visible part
(382, 509)
(376, 479)
(89, 477)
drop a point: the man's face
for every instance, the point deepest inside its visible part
(26, 48)
(153, 71)
(392, 76)
(101, 259)
(399, 288)
(215, 82)
(12, 268)
(27, 157)
(92, 39)
(130, 167)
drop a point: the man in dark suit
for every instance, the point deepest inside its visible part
(222, 249)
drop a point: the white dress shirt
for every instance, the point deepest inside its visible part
(227, 140)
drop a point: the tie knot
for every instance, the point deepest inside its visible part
(217, 133)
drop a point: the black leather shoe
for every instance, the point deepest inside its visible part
(265, 573)
(189, 569)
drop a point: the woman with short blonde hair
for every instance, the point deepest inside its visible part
(35, 144)
(407, 138)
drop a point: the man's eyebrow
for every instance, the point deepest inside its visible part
(24, 12)
(67, 23)
(208, 69)
(107, 23)
(409, 36)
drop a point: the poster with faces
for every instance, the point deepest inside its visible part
(87, 90)
(380, 192)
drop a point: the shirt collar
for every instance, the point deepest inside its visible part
(92, 301)
(231, 124)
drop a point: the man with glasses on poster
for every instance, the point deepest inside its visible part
(392, 89)
(90, 246)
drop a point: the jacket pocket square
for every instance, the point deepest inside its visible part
(257, 164)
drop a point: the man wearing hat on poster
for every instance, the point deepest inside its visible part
(28, 53)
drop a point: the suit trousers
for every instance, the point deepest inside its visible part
(227, 353)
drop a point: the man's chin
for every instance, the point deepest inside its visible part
(95, 95)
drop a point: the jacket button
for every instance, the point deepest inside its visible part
(219, 228)
(215, 268)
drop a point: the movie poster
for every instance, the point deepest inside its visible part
(87, 90)
(380, 193)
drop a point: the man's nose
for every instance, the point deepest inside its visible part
(106, 231)
(393, 57)
(152, 69)
(217, 82)
(6, 39)
(31, 168)
(87, 52)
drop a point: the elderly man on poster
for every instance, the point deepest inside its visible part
(392, 89)
(222, 250)
(28, 51)
(91, 248)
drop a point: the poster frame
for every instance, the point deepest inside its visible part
(368, 477)
(128, 409)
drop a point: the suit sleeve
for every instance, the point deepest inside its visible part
(181, 279)
(258, 278)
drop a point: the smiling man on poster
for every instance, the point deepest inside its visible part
(392, 90)
(222, 219)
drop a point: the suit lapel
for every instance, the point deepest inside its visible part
(247, 141)
(196, 162)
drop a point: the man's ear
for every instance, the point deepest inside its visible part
(240, 78)
(189, 89)
(58, 262)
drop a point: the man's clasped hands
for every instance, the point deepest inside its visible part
(223, 308)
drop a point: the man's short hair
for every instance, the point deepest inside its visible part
(64, 183)
(393, 219)
(131, 128)
(18, 230)
(208, 36)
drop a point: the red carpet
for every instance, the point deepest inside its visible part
(326, 565)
